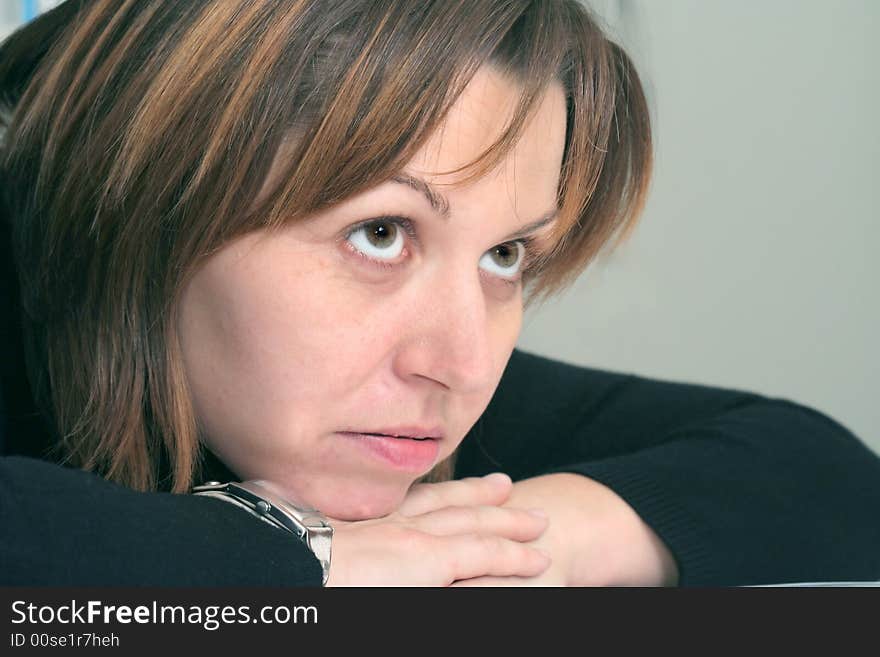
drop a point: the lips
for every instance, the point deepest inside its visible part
(415, 432)
(407, 453)
(388, 435)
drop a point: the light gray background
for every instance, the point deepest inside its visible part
(13, 12)
(754, 266)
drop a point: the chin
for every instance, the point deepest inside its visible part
(362, 505)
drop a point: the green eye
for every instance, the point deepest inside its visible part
(506, 256)
(504, 260)
(381, 239)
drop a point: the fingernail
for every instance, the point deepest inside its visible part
(497, 478)
(538, 513)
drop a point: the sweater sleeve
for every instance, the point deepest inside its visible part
(742, 488)
(65, 527)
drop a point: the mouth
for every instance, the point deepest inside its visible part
(386, 435)
(410, 431)
(399, 451)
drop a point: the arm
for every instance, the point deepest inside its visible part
(65, 527)
(739, 488)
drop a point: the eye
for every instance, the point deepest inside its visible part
(379, 239)
(381, 242)
(505, 260)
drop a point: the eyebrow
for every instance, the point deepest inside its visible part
(440, 205)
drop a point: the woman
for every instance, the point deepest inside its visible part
(291, 242)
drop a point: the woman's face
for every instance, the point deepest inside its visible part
(298, 343)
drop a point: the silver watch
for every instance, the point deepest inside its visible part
(264, 500)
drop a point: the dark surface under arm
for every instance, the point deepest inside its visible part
(742, 488)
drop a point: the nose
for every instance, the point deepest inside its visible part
(448, 334)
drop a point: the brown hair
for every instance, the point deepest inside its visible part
(143, 132)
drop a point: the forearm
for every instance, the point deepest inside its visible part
(771, 492)
(594, 535)
(60, 526)
(742, 489)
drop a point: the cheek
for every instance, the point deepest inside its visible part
(280, 348)
(266, 343)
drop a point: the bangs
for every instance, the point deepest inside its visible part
(397, 93)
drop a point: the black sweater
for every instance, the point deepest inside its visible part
(742, 488)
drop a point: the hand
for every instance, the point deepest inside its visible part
(594, 537)
(441, 533)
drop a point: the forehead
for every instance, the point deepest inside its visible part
(477, 120)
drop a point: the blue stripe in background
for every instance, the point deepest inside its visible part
(28, 10)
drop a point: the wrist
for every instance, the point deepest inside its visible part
(594, 536)
(625, 550)
(266, 502)
(551, 494)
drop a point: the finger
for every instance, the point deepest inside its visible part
(498, 581)
(514, 524)
(493, 489)
(336, 523)
(478, 555)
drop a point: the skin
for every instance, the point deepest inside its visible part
(291, 337)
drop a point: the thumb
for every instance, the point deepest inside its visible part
(492, 490)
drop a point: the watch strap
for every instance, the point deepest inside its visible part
(263, 500)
